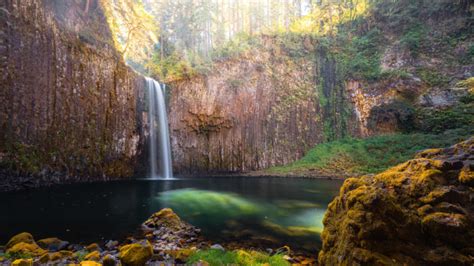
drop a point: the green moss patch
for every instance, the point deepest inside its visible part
(360, 156)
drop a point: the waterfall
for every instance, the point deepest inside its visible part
(158, 120)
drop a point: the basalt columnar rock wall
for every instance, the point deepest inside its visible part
(262, 109)
(68, 101)
(272, 104)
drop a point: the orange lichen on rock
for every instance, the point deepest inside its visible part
(417, 213)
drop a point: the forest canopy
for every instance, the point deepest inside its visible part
(174, 39)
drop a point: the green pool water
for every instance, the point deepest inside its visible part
(270, 211)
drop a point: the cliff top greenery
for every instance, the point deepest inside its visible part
(172, 40)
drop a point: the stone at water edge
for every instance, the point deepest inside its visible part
(111, 244)
(53, 244)
(109, 260)
(20, 238)
(93, 247)
(165, 217)
(93, 256)
(418, 213)
(22, 262)
(218, 247)
(136, 254)
(90, 263)
(27, 249)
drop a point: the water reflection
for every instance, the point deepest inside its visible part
(276, 210)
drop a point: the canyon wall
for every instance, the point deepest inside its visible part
(68, 101)
(270, 105)
(262, 109)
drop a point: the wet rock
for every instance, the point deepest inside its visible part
(93, 256)
(111, 244)
(75, 247)
(22, 262)
(93, 247)
(27, 249)
(44, 259)
(90, 263)
(417, 213)
(53, 244)
(136, 254)
(20, 238)
(109, 260)
(168, 232)
(180, 255)
(56, 256)
(164, 218)
(466, 176)
(218, 247)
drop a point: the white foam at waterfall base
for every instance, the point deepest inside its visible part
(159, 131)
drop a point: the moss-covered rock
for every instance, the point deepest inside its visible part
(417, 213)
(109, 260)
(136, 254)
(94, 256)
(90, 263)
(22, 237)
(165, 217)
(466, 176)
(27, 249)
(93, 247)
(22, 262)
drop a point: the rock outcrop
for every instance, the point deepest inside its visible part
(169, 233)
(69, 102)
(418, 213)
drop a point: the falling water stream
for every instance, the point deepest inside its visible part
(159, 131)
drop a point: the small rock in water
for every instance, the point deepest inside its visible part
(75, 247)
(111, 244)
(93, 256)
(93, 247)
(109, 260)
(53, 244)
(217, 246)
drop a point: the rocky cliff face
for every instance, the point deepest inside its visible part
(260, 110)
(69, 103)
(417, 213)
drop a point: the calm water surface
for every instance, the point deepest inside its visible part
(275, 210)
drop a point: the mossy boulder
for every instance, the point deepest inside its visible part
(27, 249)
(164, 218)
(417, 213)
(20, 238)
(136, 254)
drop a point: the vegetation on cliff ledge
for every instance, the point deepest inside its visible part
(349, 156)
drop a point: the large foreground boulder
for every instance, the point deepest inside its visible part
(418, 213)
(136, 254)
